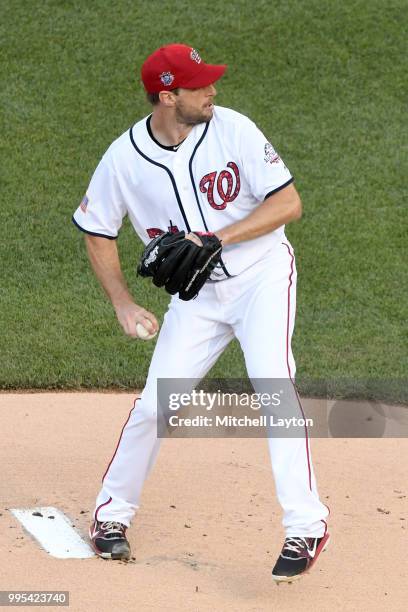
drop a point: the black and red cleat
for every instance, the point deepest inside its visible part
(108, 539)
(297, 557)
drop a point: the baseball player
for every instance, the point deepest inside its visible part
(194, 167)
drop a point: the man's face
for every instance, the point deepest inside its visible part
(195, 106)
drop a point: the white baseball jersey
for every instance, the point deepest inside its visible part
(215, 177)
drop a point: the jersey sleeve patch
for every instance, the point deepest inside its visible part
(271, 156)
(84, 203)
(263, 167)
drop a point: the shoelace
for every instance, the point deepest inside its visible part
(294, 545)
(297, 545)
(112, 528)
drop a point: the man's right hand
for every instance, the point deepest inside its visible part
(130, 314)
(104, 257)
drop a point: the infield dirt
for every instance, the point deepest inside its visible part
(209, 529)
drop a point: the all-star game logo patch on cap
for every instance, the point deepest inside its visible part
(178, 65)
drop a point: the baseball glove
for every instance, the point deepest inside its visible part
(180, 265)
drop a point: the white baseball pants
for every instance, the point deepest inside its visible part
(258, 308)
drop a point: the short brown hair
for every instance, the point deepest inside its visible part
(154, 99)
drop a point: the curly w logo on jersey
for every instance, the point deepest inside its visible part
(226, 189)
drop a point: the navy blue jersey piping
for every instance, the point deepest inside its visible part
(173, 182)
(172, 148)
(92, 233)
(279, 188)
(190, 165)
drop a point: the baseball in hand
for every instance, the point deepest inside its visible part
(143, 333)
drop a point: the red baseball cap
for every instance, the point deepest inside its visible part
(175, 66)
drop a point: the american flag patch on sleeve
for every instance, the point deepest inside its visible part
(84, 204)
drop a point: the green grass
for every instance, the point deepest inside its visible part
(323, 79)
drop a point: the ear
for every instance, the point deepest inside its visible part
(167, 98)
